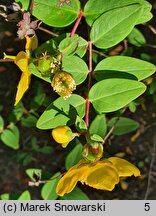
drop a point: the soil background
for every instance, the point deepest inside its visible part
(12, 173)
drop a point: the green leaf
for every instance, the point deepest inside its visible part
(29, 121)
(30, 172)
(37, 101)
(48, 191)
(96, 137)
(74, 156)
(98, 126)
(50, 47)
(1, 123)
(80, 124)
(121, 22)
(53, 14)
(76, 67)
(146, 14)
(17, 112)
(45, 150)
(93, 9)
(24, 4)
(136, 38)
(10, 137)
(69, 45)
(41, 174)
(25, 196)
(35, 72)
(27, 158)
(152, 88)
(133, 66)
(76, 194)
(133, 106)
(82, 47)
(112, 94)
(7, 196)
(123, 125)
(72, 45)
(61, 112)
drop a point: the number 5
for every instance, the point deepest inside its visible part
(147, 207)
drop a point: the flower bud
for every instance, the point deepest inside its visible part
(63, 84)
(93, 153)
(63, 135)
(44, 67)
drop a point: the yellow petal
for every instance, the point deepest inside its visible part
(9, 57)
(22, 61)
(103, 177)
(31, 42)
(124, 167)
(22, 87)
(70, 179)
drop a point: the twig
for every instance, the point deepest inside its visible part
(48, 31)
(89, 83)
(100, 53)
(76, 24)
(6, 60)
(112, 128)
(125, 44)
(37, 183)
(151, 28)
(150, 169)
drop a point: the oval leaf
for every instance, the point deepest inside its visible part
(69, 45)
(56, 13)
(112, 94)
(48, 191)
(7, 196)
(62, 111)
(74, 156)
(93, 9)
(76, 67)
(123, 125)
(35, 72)
(98, 126)
(72, 45)
(10, 137)
(139, 68)
(1, 123)
(136, 38)
(113, 26)
(25, 196)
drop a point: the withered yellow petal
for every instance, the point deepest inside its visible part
(22, 61)
(31, 42)
(22, 87)
(124, 167)
(68, 182)
(70, 179)
(103, 178)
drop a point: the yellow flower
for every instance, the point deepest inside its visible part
(63, 135)
(31, 42)
(63, 83)
(103, 175)
(22, 61)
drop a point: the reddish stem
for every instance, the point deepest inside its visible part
(6, 60)
(76, 24)
(31, 6)
(47, 31)
(89, 83)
